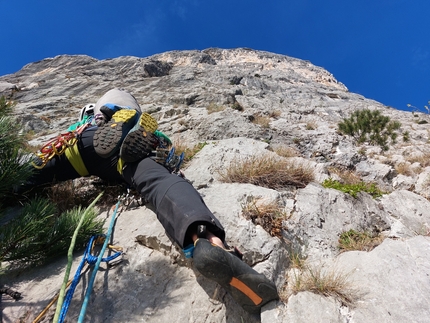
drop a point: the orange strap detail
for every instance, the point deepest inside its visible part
(246, 290)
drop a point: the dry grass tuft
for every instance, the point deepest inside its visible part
(83, 191)
(423, 160)
(263, 121)
(346, 176)
(297, 259)
(212, 107)
(267, 214)
(311, 125)
(189, 151)
(329, 283)
(275, 114)
(268, 171)
(363, 241)
(404, 169)
(286, 152)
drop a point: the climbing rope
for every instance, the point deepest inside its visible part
(88, 259)
(58, 145)
(96, 267)
(70, 258)
(46, 309)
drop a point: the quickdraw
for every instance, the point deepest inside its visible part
(57, 146)
(168, 159)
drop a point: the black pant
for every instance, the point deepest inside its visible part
(179, 207)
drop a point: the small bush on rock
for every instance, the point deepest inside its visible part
(261, 120)
(237, 106)
(311, 125)
(346, 176)
(370, 126)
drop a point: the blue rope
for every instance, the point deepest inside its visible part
(96, 267)
(91, 260)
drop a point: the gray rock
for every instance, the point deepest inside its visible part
(408, 208)
(6, 86)
(321, 215)
(422, 185)
(398, 293)
(266, 101)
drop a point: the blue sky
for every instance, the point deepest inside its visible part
(377, 48)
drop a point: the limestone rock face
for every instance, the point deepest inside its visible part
(242, 103)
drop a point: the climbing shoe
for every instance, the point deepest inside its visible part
(140, 140)
(109, 109)
(108, 138)
(249, 288)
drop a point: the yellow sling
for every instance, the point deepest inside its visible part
(74, 157)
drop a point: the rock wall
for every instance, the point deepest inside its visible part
(302, 105)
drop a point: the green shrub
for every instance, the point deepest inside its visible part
(353, 189)
(13, 169)
(39, 233)
(371, 126)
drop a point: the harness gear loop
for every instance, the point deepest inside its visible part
(58, 146)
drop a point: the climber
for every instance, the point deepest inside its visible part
(116, 146)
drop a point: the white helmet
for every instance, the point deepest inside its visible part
(87, 110)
